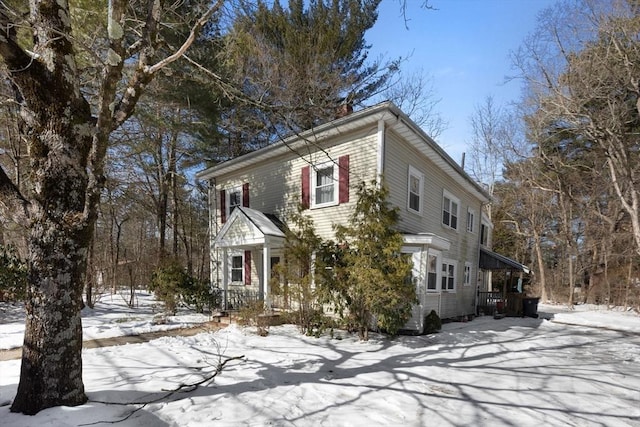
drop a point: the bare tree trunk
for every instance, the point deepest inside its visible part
(542, 279)
(173, 177)
(67, 148)
(51, 372)
(606, 279)
(163, 199)
(627, 287)
(90, 277)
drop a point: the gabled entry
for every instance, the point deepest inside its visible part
(250, 232)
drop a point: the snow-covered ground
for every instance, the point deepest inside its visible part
(111, 317)
(580, 368)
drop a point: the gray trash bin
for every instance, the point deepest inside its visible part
(530, 307)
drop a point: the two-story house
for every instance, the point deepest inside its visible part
(253, 196)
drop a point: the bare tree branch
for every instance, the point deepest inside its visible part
(182, 388)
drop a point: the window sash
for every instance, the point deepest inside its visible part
(449, 212)
(471, 219)
(324, 186)
(483, 234)
(237, 268)
(432, 273)
(235, 199)
(414, 192)
(467, 274)
(448, 277)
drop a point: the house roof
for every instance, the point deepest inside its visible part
(494, 261)
(394, 119)
(248, 227)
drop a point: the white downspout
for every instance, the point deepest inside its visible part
(225, 278)
(266, 274)
(380, 151)
(211, 194)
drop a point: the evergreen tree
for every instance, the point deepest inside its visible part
(294, 278)
(375, 275)
(299, 65)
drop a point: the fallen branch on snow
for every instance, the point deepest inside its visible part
(182, 388)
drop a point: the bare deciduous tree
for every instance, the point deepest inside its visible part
(67, 127)
(415, 94)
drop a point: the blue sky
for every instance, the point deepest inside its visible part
(464, 46)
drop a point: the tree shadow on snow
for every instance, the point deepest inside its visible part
(489, 371)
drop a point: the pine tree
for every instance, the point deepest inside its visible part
(296, 272)
(377, 276)
(299, 64)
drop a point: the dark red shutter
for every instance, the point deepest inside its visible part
(223, 206)
(343, 191)
(245, 195)
(247, 268)
(305, 188)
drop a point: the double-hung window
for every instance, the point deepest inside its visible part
(237, 268)
(448, 275)
(432, 273)
(324, 179)
(450, 210)
(471, 220)
(467, 274)
(415, 188)
(484, 234)
(235, 199)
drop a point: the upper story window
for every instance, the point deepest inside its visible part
(234, 197)
(324, 180)
(450, 206)
(325, 184)
(231, 198)
(415, 189)
(484, 234)
(471, 220)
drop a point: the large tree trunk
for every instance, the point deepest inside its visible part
(59, 238)
(67, 148)
(51, 372)
(57, 127)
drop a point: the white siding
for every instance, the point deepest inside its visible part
(399, 156)
(275, 186)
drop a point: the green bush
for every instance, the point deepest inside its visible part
(198, 295)
(375, 277)
(432, 323)
(13, 275)
(172, 284)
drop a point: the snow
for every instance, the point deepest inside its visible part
(110, 318)
(566, 368)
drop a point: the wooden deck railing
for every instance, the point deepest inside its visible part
(488, 301)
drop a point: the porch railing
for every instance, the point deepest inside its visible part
(239, 298)
(488, 301)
